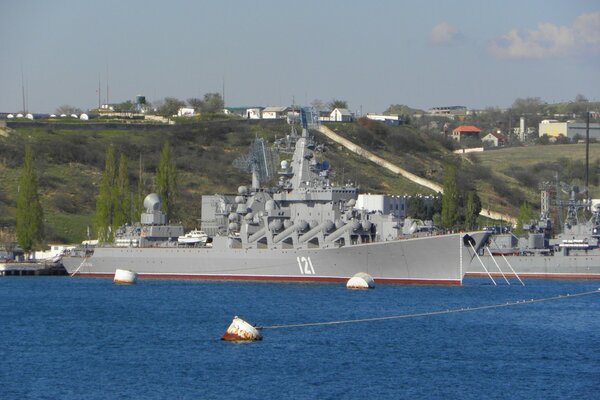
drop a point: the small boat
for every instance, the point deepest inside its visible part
(194, 237)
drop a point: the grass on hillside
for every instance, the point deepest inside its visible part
(526, 168)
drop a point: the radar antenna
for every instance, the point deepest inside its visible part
(260, 161)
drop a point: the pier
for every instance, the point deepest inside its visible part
(16, 268)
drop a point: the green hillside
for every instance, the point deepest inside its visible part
(70, 161)
(518, 172)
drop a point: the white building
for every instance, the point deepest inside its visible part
(387, 204)
(253, 112)
(569, 129)
(494, 139)
(341, 115)
(275, 112)
(55, 251)
(386, 119)
(185, 112)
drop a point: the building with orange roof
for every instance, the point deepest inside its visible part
(465, 131)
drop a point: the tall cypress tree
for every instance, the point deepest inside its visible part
(450, 198)
(30, 216)
(104, 200)
(138, 198)
(472, 210)
(122, 198)
(166, 181)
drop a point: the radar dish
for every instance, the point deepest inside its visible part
(152, 202)
(260, 160)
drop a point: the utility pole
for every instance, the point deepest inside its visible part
(99, 93)
(23, 89)
(587, 157)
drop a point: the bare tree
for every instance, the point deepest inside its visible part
(170, 106)
(67, 110)
(213, 103)
(336, 103)
(318, 105)
(195, 103)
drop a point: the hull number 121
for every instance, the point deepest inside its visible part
(305, 265)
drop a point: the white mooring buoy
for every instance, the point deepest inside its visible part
(361, 280)
(241, 331)
(125, 277)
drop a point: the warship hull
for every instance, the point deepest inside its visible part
(426, 260)
(580, 266)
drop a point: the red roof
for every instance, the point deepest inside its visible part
(498, 135)
(466, 128)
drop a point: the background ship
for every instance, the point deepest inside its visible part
(574, 253)
(304, 229)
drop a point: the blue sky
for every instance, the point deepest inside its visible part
(369, 53)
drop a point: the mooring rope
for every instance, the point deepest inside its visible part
(424, 314)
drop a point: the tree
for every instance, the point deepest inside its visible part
(401, 109)
(450, 199)
(195, 103)
(122, 196)
(166, 181)
(30, 216)
(528, 106)
(103, 220)
(126, 106)
(169, 106)
(67, 110)
(318, 105)
(472, 210)
(336, 103)
(213, 103)
(138, 199)
(525, 216)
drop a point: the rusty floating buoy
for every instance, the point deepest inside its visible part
(361, 280)
(241, 331)
(125, 277)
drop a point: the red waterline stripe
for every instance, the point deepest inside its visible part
(277, 278)
(557, 275)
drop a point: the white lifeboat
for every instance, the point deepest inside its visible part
(194, 237)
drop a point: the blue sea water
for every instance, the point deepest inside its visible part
(85, 338)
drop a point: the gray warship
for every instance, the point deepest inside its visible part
(304, 229)
(574, 253)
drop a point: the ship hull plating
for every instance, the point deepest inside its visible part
(581, 266)
(427, 260)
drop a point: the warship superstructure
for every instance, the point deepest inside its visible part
(304, 229)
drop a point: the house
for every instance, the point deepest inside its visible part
(275, 112)
(185, 112)
(386, 119)
(569, 129)
(253, 112)
(324, 116)
(341, 115)
(463, 132)
(448, 111)
(494, 139)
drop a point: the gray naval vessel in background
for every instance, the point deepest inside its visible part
(304, 229)
(572, 254)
